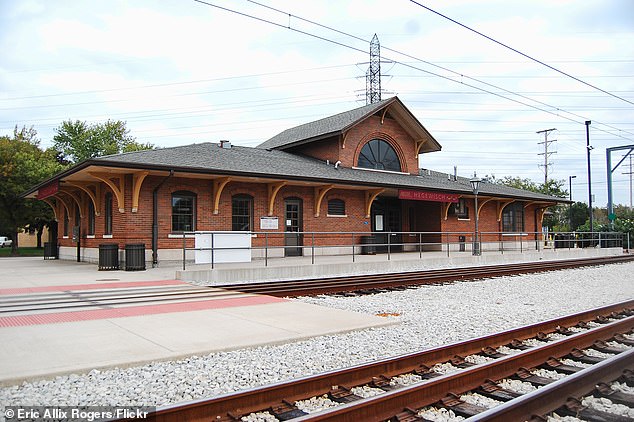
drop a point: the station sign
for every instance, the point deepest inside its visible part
(48, 190)
(419, 195)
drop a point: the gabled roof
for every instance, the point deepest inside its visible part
(339, 123)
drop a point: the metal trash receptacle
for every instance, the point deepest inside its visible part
(108, 256)
(367, 245)
(462, 243)
(135, 257)
(50, 250)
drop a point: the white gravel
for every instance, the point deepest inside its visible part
(606, 405)
(518, 386)
(429, 316)
(316, 404)
(622, 387)
(439, 414)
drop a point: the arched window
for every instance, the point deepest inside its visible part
(379, 155)
(336, 207)
(183, 211)
(241, 213)
(513, 218)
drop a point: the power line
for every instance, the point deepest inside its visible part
(522, 54)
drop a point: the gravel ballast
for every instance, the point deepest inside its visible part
(428, 316)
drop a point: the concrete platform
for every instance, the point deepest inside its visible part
(40, 344)
(294, 268)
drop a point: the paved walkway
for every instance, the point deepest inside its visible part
(38, 343)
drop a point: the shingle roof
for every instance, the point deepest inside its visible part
(246, 161)
(323, 127)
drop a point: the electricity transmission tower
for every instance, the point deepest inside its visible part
(373, 75)
(546, 153)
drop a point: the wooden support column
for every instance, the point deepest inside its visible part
(272, 190)
(320, 192)
(119, 191)
(137, 181)
(370, 196)
(219, 185)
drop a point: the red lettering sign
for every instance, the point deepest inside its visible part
(48, 190)
(418, 195)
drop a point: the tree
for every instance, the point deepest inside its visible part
(78, 141)
(22, 165)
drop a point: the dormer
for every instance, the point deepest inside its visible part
(380, 136)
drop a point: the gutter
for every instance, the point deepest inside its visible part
(155, 219)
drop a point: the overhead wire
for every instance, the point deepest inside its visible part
(521, 53)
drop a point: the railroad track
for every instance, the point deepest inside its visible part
(361, 284)
(447, 377)
(374, 283)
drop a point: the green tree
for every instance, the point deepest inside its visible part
(78, 141)
(22, 165)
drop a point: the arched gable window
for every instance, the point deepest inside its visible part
(513, 218)
(241, 213)
(183, 211)
(379, 155)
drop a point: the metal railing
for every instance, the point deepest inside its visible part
(266, 245)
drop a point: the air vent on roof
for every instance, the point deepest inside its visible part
(225, 144)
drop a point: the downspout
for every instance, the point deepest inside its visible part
(155, 219)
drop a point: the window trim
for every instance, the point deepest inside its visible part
(516, 206)
(249, 199)
(379, 142)
(91, 219)
(343, 208)
(194, 217)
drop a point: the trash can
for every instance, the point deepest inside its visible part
(108, 256)
(135, 257)
(367, 245)
(462, 240)
(50, 250)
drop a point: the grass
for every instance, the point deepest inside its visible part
(6, 251)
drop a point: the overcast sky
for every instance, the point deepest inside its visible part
(182, 72)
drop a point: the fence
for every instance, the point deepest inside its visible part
(266, 245)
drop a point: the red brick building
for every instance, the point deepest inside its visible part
(356, 171)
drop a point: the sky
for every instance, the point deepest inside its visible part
(183, 72)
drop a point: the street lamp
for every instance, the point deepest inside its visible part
(588, 149)
(475, 185)
(570, 206)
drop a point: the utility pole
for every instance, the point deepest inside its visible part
(546, 153)
(588, 149)
(630, 173)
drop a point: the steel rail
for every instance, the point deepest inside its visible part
(390, 280)
(388, 404)
(256, 399)
(552, 396)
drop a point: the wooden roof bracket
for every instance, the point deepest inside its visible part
(501, 205)
(384, 113)
(48, 201)
(272, 190)
(218, 187)
(64, 204)
(444, 208)
(119, 191)
(370, 196)
(320, 192)
(77, 201)
(137, 181)
(419, 145)
(344, 136)
(95, 196)
(481, 204)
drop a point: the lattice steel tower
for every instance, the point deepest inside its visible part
(373, 75)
